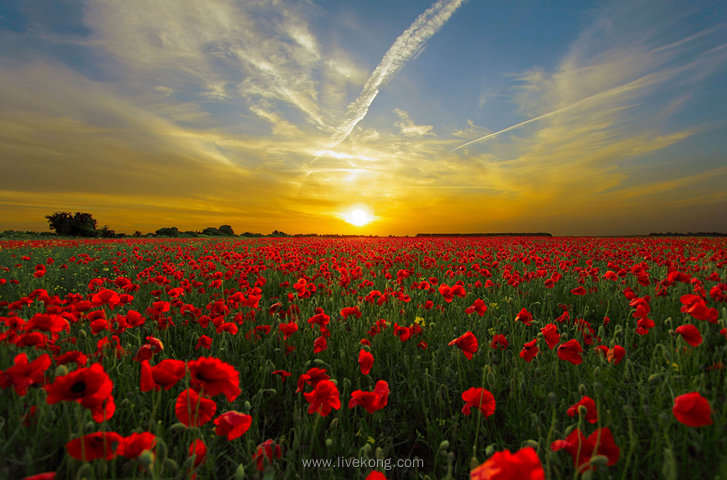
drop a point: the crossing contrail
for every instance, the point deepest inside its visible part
(405, 47)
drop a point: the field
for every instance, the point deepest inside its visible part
(415, 358)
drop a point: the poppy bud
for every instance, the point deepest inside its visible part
(146, 458)
(474, 463)
(240, 472)
(597, 387)
(334, 424)
(379, 453)
(61, 370)
(329, 443)
(89, 427)
(531, 443)
(365, 451)
(178, 427)
(582, 389)
(246, 406)
(444, 445)
(490, 450)
(552, 398)
(599, 461)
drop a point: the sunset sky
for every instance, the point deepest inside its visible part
(570, 117)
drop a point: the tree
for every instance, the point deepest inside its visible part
(168, 232)
(212, 232)
(226, 230)
(106, 232)
(77, 225)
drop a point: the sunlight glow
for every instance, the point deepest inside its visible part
(358, 217)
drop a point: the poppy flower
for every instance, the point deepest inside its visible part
(581, 449)
(571, 351)
(371, 401)
(524, 317)
(320, 344)
(690, 334)
(404, 333)
(467, 343)
(479, 398)
(203, 342)
(24, 374)
(346, 311)
(530, 350)
(551, 335)
(94, 445)
(214, 376)
(282, 373)
(590, 406)
(232, 424)
(165, 374)
(42, 476)
(499, 342)
(288, 329)
(365, 361)
(478, 307)
(312, 377)
(194, 410)
(375, 475)
(579, 291)
(615, 354)
(268, 450)
(134, 444)
(199, 450)
(47, 323)
(521, 465)
(91, 387)
(323, 398)
(79, 358)
(692, 409)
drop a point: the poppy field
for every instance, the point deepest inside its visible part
(442, 357)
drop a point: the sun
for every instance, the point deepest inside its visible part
(358, 217)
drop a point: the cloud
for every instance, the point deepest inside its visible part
(408, 128)
(405, 47)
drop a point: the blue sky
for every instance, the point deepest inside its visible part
(572, 117)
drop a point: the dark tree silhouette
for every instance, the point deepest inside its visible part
(77, 225)
(226, 230)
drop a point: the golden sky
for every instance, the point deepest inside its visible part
(450, 116)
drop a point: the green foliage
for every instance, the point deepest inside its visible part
(168, 232)
(76, 225)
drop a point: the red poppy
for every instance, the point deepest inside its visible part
(288, 329)
(365, 361)
(91, 387)
(499, 342)
(199, 450)
(371, 401)
(375, 475)
(312, 377)
(47, 323)
(232, 424)
(530, 350)
(690, 334)
(24, 374)
(42, 476)
(203, 342)
(194, 410)
(467, 343)
(571, 351)
(615, 354)
(282, 373)
(323, 398)
(165, 374)
(521, 465)
(524, 317)
(589, 404)
(213, 376)
(268, 450)
(479, 307)
(346, 311)
(579, 291)
(551, 335)
(93, 446)
(134, 444)
(581, 449)
(479, 398)
(692, 409)
(74, 356)
(320, 344)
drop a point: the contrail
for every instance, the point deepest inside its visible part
(405, 47)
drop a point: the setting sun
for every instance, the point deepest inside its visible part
(358, 217)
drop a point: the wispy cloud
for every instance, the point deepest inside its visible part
(408, 128)
(405, 47)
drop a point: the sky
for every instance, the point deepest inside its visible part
(448, 116)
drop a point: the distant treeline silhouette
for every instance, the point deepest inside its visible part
(689, 234)
(497, 234)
